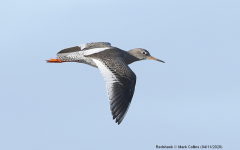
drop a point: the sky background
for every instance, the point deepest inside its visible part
(192, 99)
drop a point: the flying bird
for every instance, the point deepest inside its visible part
(113, 65)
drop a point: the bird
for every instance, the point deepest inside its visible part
(113, 64)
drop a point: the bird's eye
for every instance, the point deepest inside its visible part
(144, 53)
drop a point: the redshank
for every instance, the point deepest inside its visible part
(113, 64)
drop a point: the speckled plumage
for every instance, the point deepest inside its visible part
(113, 64)
(76, 54)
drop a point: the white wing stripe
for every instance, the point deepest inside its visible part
(108, 76)
(82, 46)
(94, 50)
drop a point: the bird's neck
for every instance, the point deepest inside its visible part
(130, 58)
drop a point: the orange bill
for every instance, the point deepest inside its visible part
(153, 58)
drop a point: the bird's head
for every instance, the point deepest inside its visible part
(142, 54)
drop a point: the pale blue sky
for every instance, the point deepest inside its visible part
(192, 99)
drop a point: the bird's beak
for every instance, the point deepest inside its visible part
(153, 58)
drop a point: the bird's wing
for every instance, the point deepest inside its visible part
(120, 84)
(86, 46)
(95, 45)
(77, 53)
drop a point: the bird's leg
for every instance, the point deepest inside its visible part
(55, 61)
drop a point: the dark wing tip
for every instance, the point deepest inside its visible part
(118, 121)
(121, 112)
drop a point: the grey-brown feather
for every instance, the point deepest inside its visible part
(120, 93)
(93, 45)
(70, 50)
(76, 53)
